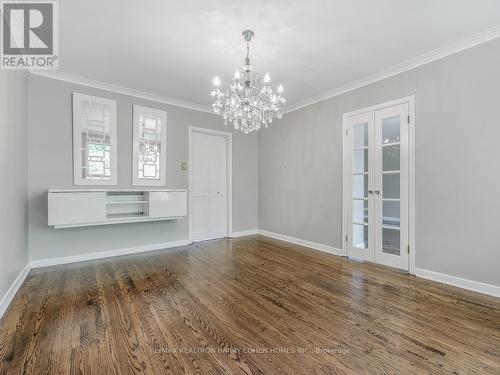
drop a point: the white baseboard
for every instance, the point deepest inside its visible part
(37, 263)
(298, 241)
(475, 286)
(244, 233)
(11, 292)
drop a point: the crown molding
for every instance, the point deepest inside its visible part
(66, 77)
(426, 58)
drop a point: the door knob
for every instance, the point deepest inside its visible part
(377, 192)
(370, 191)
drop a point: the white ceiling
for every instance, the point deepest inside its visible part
(174, 48)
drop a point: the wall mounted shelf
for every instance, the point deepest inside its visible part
(80, 208)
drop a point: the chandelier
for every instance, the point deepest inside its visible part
(247, 101)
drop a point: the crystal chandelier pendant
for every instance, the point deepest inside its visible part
(247, 101)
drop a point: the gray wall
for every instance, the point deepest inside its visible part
(51, 166)
(457, 164)
(13, 172)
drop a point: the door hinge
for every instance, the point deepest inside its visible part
(346, 132)
(408, 249)
(408, 119)
(346, 238)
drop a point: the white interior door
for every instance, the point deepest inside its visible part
(391, 186)
(360, 192)
(208, 208)
(377, 190)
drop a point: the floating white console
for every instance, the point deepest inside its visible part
(79, 208)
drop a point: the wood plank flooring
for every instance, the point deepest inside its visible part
(251, 305)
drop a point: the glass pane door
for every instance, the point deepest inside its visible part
(360, 234)
(376, 185)
(391, 186)
(360, 186)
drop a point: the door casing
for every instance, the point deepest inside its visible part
(229, 176)
(410, 100)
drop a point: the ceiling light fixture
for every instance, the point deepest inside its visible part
(248, 101)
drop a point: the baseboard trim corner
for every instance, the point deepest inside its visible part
(39, 263)
(301, 242)
(243, 233)
(14, 287)
(459, 282)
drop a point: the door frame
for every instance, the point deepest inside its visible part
(229, 174)
(410, 100)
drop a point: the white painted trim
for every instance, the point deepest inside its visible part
(412, 219)
(229, 137)
(411, 173)
(210, 131)
(243, 233)
(301, 242)
(376, 107)
(459, 282)
(38, 263)
(11, 292)
(78, 80)
(426, 58)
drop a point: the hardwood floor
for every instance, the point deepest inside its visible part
(251, 305)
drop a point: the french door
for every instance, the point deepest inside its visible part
(377, 193)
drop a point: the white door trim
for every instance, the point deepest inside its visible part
(411, 174)
(229, 159)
